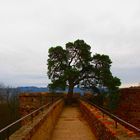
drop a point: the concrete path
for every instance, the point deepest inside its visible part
(71, 126)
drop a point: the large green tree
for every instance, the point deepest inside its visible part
(76, 65)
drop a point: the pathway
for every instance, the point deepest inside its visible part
(72, 126)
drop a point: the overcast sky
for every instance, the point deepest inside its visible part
(29, 27)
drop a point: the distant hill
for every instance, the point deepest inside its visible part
(44, 89)
(33, 89)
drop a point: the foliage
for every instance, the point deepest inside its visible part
(113, 100)
(75, 65)
(8, 105)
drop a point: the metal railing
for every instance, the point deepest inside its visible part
(114, 117)
(5, 132)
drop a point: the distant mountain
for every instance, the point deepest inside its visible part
(33, 89)
(45, 89)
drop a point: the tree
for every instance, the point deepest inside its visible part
(75, 65)
(9, 107)
(9, 97)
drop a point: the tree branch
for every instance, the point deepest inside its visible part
(72, 59)
(82, 78)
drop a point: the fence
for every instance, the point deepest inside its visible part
(11, 128)
(114, 117)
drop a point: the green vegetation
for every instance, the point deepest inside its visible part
(106, 100)
(9, 108)
(76, 65)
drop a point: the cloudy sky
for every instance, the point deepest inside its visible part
(29, 27)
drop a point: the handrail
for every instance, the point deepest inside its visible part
(26, 116)
(114, 117)
(30, 114)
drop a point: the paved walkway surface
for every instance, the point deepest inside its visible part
(72, 126)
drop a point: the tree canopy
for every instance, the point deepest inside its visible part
(76, 65)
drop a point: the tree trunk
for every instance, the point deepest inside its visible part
(70, 95)
(70, 91)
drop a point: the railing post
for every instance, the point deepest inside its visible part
(116, 124)
(32, 118)
(42, 110)
(7, 134)
(52, 99)
(103, 115)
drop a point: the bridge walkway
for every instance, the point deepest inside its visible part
(72, 126)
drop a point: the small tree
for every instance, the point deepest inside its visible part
(9, 97)
(75, 65)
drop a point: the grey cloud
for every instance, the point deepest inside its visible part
(28, 28)
(129, 75)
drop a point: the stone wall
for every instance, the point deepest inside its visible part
(32, 101)
(42, 125)
(103, 126)
(129, 106)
